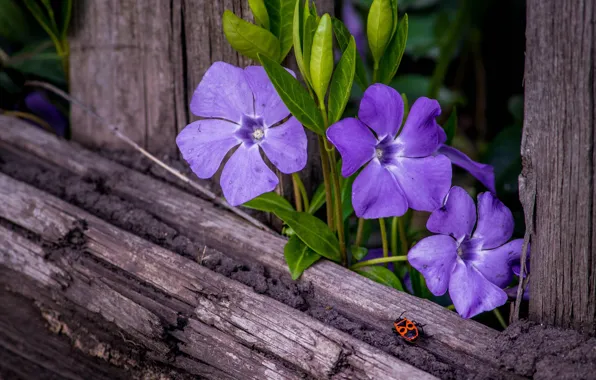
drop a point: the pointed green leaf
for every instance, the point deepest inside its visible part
(269, 202)
(259, 12)
(298, 32)
(299, 256)
(343, 36)
(310, 26)
(313, 232)
(281, 15)
(43, 20)
(395, 15)
(391, 60)
(358, 253)
(318, 199)
(406, 105)
(321, 57)
(249, 39)
(381, 275)
(294, 96)
(379, 27)
(341, 83)
(451, 126)
(13, 22)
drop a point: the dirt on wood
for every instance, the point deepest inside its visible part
(523, 349)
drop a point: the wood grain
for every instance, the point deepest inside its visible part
(558, 154)
(226, 324)
(464, 342)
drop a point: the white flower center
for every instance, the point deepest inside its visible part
(379, 153)
(258, 134)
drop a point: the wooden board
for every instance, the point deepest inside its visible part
(454, 340)
(213, 319)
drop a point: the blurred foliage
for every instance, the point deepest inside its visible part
(34, 46)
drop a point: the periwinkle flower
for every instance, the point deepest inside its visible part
(472, 262)
(240, 108)
(399, 172)
(482, 172)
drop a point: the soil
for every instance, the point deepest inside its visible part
(523, 349)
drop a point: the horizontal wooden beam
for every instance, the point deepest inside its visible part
(462, 343)
(230, 327)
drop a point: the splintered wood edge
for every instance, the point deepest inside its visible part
(224, 305)
(453, 338)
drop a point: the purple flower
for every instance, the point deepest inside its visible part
(353, 22)
(39, 105)
(472, 263)
(241, 109)
(515, 262)
(399, 172)
(483, 172)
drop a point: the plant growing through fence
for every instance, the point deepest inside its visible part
(385, 163)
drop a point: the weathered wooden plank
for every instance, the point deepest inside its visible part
(241, 317)
(558, 160)
(464, 342)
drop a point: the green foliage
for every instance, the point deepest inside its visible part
(379, 27)
(299, 256)
(358, 253)
(259, 11)
(321, 57)
(318, 199)
(313, 232)
(310, 26)
(395, 51)
(451, 126)
(269, 202)
(381, 275)
(297, 33)
(341, 83)
(281, 16)
(13, 21)
(250, 40)
(294, 96)
(343, 36)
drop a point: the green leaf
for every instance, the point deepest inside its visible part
(406, 105)
(395, 15)
(313, 232)
(294, 96)
(343, 36)
(381, 275)
(451, 126)
(13, 22)
(299, 256)
(43, 20)
(379, 27)
(318, 199)
(298, 30)
(269, 202)
(391, 60)
(310, 26)
(66, 15)
(358, 253)
(40, 60)
(395, 51)
(259, 11)
(341, 82)
(321, 58)
(249, 39)
(281, 15)
(419, 285)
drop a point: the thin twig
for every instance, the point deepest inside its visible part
(114, 129)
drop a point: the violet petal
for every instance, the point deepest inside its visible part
(354, 141)
(267, 102)
(424, 181)
(376, 193)
(471, 293)
(285, 146)
(382, 109)
(482, 172)
(223, 93)
(421, 136)
(456, 217)
(495, 221)
(515, 259)
(246, 176)
(205, 143)
(435, 258)
(42, 107)
(494, 263)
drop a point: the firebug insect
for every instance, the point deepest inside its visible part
(409, 330)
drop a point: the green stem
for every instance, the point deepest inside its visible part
(381, 260)
(375, 73)
(359, 232)
(325, 166)
(403, 237)
(297, 195)
(302, 189)
(384, 237)
(394, 235)
(500, 318)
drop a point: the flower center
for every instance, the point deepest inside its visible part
(385, 150)
(258, 134)
(379, 153)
